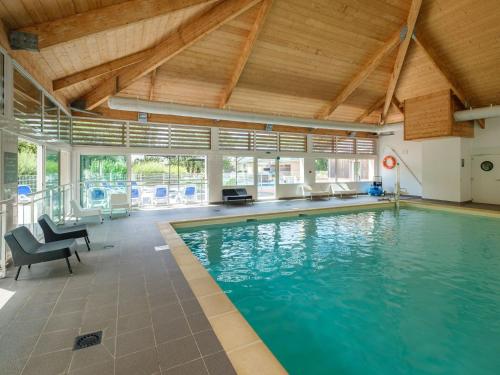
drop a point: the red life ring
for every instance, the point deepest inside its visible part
(389, 162)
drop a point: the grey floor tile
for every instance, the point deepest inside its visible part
(177, 352)
(88, 356)
(133, 322)
(191, 306)
(103, 368)
(196, 367)
(208, 343)
(167, 312)
(219, 364)
(55, 341)
(133, 305)
(134, 341)
(35, 312)
(167, 330)
(69, 306)
(144, 362)
(198, 322)
(13, 346)
(65, 321)
(24, 328)
(48, 364)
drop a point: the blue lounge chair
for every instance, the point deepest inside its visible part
(189, 193)
(97, 197)
(161, 194)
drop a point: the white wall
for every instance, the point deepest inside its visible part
(411, 153)
(438, 162)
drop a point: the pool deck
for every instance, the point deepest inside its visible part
(151, 320)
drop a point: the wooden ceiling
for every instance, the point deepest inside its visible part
(337, 59)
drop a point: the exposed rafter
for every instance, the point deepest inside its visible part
(397, 104)
(361, 75)
(98, 70)
(97, 20)
(246, 51)
(178, 41)
(377, 105)
(400, 58)
(152, 84)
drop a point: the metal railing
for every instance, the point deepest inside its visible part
(54, 202)
(4, 209)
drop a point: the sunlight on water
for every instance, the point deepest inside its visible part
(379, 292)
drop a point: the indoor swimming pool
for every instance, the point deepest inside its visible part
(378, 291)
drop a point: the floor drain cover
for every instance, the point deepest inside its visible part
(90, 339)
(109, 246)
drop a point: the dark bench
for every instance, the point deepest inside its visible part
(236, 195)
(52, 232)
(26, 250)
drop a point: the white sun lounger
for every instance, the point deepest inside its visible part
(342, 190)
(79, 212)
(308, 192)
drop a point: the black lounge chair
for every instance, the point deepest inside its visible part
(53, 232)
(236, 195)
(26, 250)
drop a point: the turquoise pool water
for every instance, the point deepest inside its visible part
(376, 292)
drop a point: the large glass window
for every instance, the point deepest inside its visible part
(27, 167)
(2, 84)
(325, 170)
(168, 179)
(52, 162)
(237, 171)
(101, 175)
(345, 170)
(291, 170)
(365, 169)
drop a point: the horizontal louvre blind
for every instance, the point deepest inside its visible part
(148, 135)
(293, 142)
(345, 145)
(50, 126)
(98, 132)
(323, 143)
(266, 141)
(235, 139)
(366, 146)
(64, 128)
(187, 137)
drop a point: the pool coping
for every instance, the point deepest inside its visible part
(246, 351)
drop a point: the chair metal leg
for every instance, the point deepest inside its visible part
(18, 271)
(77, 256)
(29, 266)
(69, 265)
(87, 242)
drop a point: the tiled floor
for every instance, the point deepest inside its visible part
(138, 297)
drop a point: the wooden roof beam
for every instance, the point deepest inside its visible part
(99, 70)
(400, 58)
(152, 84)
(246, 52)
(184, 37)
(361, 75)
(377, 105)
(101, 19)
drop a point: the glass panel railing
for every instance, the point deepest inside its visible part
(54, 202)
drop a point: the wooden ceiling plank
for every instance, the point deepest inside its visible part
(246, 52)
(97, 71)
(184, 37)
(457, 90)
(400, 58)
(101, 19)
(361, 75)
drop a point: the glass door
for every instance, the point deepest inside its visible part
(266, 178)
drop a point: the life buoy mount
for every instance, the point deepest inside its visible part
(389, 162)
